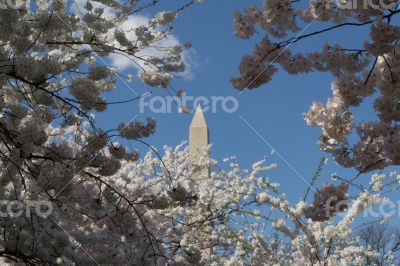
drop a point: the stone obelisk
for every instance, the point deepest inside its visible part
(198, 141)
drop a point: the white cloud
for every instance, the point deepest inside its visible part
(124, 63)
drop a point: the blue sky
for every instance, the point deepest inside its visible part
(274, 110)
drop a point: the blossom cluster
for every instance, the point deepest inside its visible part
(53, 80)
(158, 209)
(370, 70)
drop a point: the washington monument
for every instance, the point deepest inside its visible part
(198, 139)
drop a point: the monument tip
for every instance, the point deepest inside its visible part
(198, 118)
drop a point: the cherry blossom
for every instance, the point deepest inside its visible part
(372, 69)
